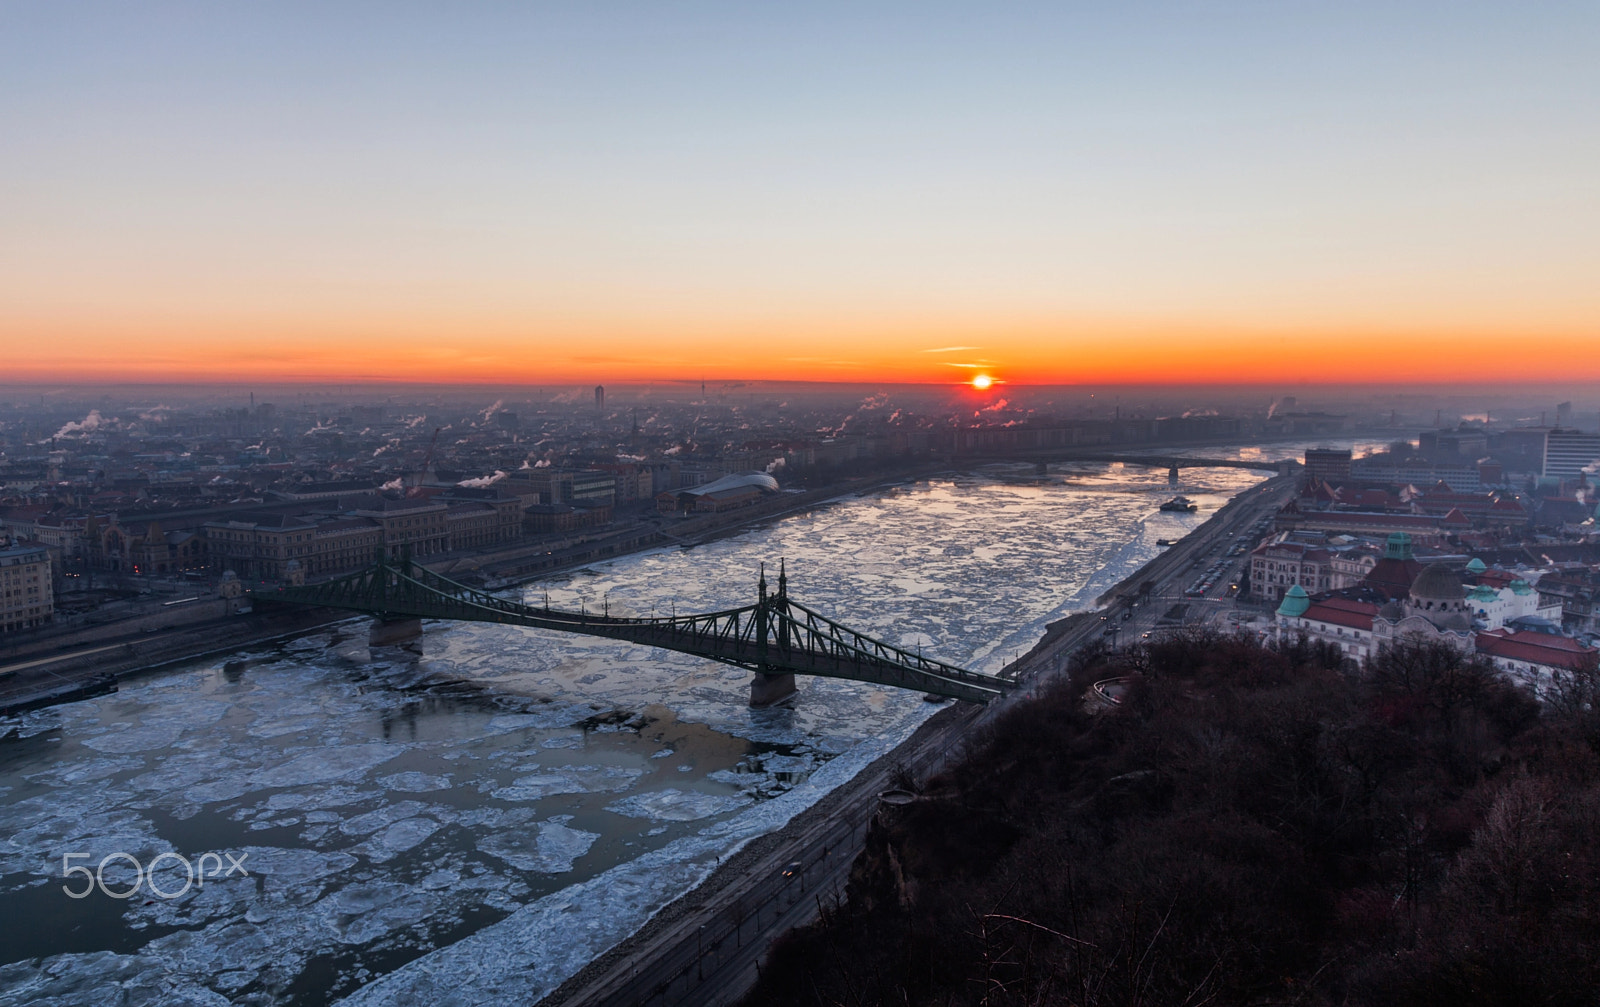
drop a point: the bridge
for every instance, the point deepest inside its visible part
(1172, 463)
(1182, 462)
(777, 638)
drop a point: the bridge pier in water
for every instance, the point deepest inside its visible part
(388, 632)
(765, 690)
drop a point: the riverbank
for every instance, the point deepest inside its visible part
(65, 677)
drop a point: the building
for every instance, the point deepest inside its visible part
(323, 490)
(1350, 567)
(1497, 598)
(1533, 659)
(568, 486)
(544, 519)
(27, 597)
(1421, 527)
(1433, 610)
(1462, 477)
(413, 524)
(1345, 623)
(1328, 465)
(481, 516)
(728, 493)
(1569, 452)
(599, 398)
(141, 548)
(1277, 565)
(1464, 445)
(261, 547)
(632, 482)
(1577, 592)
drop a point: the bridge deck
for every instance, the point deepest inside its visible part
(775, 636)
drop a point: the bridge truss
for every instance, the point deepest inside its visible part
(774, 636)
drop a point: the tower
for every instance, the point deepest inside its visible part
(599, 398)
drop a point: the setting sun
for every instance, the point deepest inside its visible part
(982, 382)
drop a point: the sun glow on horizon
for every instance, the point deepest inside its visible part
(982, 382)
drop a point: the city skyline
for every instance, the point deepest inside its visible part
(1247, 195)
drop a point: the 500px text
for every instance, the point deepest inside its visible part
(193, 874)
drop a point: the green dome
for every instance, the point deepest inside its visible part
(1476, 566)
(1295, 602)
(1521, 587)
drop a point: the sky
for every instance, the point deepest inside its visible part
(1052, 193)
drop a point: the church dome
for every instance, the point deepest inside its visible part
(1437, 582)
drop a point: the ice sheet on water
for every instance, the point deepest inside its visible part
(493, 818)
(36, 832)
(551, 849)
(387, 815)
(135, 739)
(65, 774)
(414, 782)
(98, 978)
(398, 838)
(327, 765)
(568, 780)
(573, 739)
(677, 805)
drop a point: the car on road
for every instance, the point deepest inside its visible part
(792, 870)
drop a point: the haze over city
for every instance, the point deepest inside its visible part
(628, 505)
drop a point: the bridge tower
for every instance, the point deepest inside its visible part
(768, 688)
(1172, 476)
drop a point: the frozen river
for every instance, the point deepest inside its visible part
(486, 812)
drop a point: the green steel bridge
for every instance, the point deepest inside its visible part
(777, 638)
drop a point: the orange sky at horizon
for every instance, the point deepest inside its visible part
(1034, 353)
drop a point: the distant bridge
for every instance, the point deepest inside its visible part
(1042, 457)
(1156, 461)
(777, 638)
(1183, 462)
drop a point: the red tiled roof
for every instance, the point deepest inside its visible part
(1393, 576)
(1534, 648)
(1342, 612)
(1455, 517)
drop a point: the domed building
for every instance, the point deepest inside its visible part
(1434, 610)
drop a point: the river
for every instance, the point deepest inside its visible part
(399, 815)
